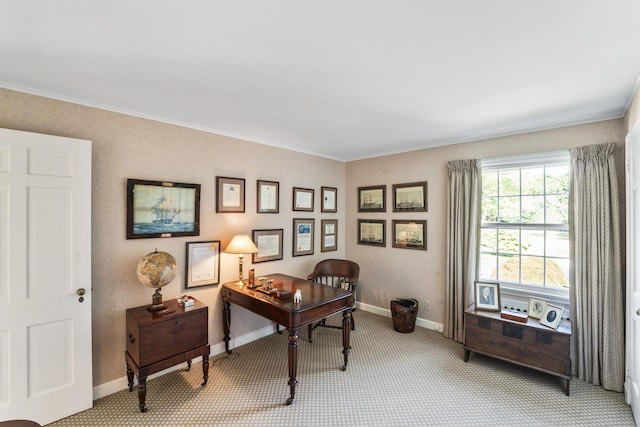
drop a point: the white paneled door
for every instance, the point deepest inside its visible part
(632, 380)
(45, 276)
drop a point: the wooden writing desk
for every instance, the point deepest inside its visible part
(318, 302)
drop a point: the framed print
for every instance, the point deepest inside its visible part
(162, 209)
(487, 296)
(372, 199)
(230, 195)
(371, 232)
(537, 307)
(303, 236)
(329, 235)
(268, 196)
(552, 316)
(269, 243)
(203, 264)
(303, 199)
(409, 234)
(411, 197)
(329, 196)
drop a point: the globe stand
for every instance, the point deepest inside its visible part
(156, 302)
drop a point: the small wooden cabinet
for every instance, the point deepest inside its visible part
(156, 342)
(528, 344)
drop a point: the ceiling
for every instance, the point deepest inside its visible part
(346, 79)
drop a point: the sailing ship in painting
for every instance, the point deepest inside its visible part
(165, 210)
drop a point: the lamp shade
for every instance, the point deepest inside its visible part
(241, 244)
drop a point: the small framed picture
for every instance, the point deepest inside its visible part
(303, 199)
(268, 196)
(329, 235)
(372, 198)
(537, 307)
(303, 236)
(230, 195)
(372, 232)
(409, 234)
(269, 243)
(329, 199)
(411, 197)
(551, 316)
(203, 264)
(487, 296)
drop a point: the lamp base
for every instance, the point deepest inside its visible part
(240, 283)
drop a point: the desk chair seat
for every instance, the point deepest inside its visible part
(338, 273)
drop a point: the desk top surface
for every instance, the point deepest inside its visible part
(313, 294)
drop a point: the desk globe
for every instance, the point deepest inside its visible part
(155, 270)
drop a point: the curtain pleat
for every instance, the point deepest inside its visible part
(597, 292)
(463, 205)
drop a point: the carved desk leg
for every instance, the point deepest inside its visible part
(142, 393)
(130, 377)
(226, 323)
(205, 368)
(293, 363)
(346, 334)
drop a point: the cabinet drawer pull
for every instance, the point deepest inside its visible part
(131, 339)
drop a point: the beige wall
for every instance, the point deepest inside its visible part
(129, 147)
(388, 273)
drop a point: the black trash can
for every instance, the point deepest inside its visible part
(404, 313)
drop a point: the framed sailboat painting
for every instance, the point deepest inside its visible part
(162, 209)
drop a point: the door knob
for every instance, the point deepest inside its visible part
(80, 292)
(638, 312)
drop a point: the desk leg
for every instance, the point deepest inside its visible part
(346, 334)
(205, 368)
(142, 393)
(293, 363)
(226, 323)
(130, 377)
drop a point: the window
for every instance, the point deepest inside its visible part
(524, 241)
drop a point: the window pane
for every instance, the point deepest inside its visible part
(532, 242)
(533, 209)
(489, 240)
(557, 179)
(533, 270)
(557, 273)
(533, 180)
(558, 209)
(509, 268)
(509, 209)
(509, 182)
(509, 241)
(490, 209)
(558, 244)
(488, 264)
(490, 183)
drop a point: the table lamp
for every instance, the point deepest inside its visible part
(241, 244)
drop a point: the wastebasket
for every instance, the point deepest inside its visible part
(404, 313)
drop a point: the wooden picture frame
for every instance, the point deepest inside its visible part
(372, 232)
(409, 234)
(552, 316)
(162, 209)
(303, 231)
(537, 306)
(329, 199)
(268, 196)
(230, 195)
(269, 243)
(372, 198)
(410, 197)
(203, 264)
(329, 235)
(487, 295)
(303, 199)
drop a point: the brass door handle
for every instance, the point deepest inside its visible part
(80, 292)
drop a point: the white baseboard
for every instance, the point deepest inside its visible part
(115, 386)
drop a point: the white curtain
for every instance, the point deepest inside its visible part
(463, 207)
(597, 291)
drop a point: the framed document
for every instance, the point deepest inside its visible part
(269, 243)
(268, 196)
(329, 197)
(329, 235)
(303, 199)
(303, 236)
(230, 195)
(203, 264)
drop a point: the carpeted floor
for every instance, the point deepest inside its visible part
(417, 379)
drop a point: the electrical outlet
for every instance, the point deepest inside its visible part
(427, 305)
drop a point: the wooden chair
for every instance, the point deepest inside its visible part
(338, 273)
